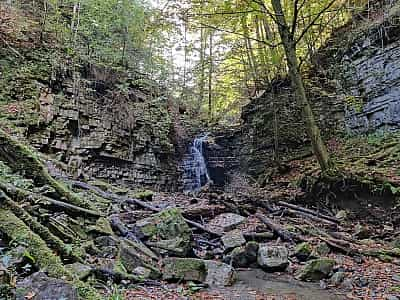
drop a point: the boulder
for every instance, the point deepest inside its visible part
(167, 231)
(316, 269)
(135, 254)
(188, 269)
(361, 232)
(43, 287)
(303, 251)
(242, 257)
(219, 274)
(233, 239)
(142, 272)
(337, 278)
(225, 222)
(273, 258)
(321, 250)
(80, 270)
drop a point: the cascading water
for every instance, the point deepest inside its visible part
(194, 166)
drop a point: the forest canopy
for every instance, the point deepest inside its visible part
(212, 56)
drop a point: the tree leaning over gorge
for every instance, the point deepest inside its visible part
(287, 35)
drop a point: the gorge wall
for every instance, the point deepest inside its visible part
(101, 123)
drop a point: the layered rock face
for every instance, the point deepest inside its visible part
(371, 77)
(106, 124)
(117, 133)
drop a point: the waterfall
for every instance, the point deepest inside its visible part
(194, 166)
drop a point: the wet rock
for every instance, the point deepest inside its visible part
(134, 254)
(303, 251)
(167, 230)
(273, 258)
(188, 269)
(45, 288)
(337, 278)
(233, 239)
(244, 256)
(321, 250)
(316, 269)
(80, 270)
(225, 222)
(219, 274)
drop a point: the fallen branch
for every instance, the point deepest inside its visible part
(309, 211)
(279, 231)
(312, 217)
(138, 202)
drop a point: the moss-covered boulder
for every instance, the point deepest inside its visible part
(316, 269)
(188, 269)
(167, 231)
(321, 250)
(273, 258)
(242, 257)
(303, 251)
(135, 254)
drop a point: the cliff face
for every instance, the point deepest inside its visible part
(101, 122)
(369, 74)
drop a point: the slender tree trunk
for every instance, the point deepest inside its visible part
(202, 67)
(250, 52)
(210, 69)
(313, 131)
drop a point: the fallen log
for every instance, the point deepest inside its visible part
(279, 231)
(309, 212)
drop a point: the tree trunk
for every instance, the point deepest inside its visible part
(313, 131)
(210, 78)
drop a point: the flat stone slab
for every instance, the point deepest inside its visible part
(273, 258)
(225, 222)
(219, 273)
(233, 239)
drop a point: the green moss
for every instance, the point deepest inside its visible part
(43, 257)
(184, 269)
(303, 251)
(22, 160)
(316, 269)
(144, 195)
